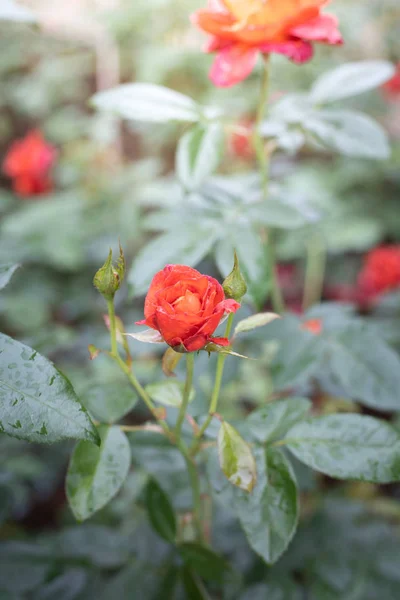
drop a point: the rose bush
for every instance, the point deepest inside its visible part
(186, 307)
(242, 29)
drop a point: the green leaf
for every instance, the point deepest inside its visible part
(204, 561)
(66, 586)
(96, 545)
(271, 422)
(147, 102)
(269, 514)
(351, 79)
(193, 585)
(193, 242)
(6, 272)
(108, 402)
(255, 321)
(348, 446)
(282, 589)
(349, 132)
(37, 403)
(170, 361)
(276, 213)
(198, 154)
(11, 11)
(365, 366)
(23, 566)
(95, 475)
(168, 393)
(161, 513)
(235, 458)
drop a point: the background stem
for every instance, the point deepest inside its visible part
(315, 272)
(263, 158)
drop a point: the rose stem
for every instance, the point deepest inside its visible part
(215, 395)
(263, 160)
(315, 271)
(128, 371)
(186, 394)
(190, 464)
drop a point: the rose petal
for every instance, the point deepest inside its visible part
(220, 341)
(228, 306)
(171, 326)
(323, 28)
(215, 43)
(197, 342)
(233, 64)
(297, 50)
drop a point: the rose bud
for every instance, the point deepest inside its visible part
(186, 307)
(235, 285)
(108, 278)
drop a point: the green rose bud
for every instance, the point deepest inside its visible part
(108, 278)
(235, 285)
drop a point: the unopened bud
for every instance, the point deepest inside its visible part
(235, 285)
(108, 278)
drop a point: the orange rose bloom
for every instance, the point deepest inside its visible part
(28, 163)
(186, 307)
(241, 29)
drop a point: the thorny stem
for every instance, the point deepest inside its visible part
(215, 395)
(190, 464)
(263, 158)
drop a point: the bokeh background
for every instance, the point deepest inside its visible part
(107, 178)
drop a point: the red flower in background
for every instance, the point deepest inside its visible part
(186, 307)
(392, 87)
(28, 162)
(313, 326)
(240, 142)
(380, 272)
(241, 29)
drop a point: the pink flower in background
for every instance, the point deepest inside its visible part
(241, 29)
(28, 162)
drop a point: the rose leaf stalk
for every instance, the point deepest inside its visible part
(263, 159)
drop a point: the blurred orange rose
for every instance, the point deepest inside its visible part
(28, 162)
(186, 307)
(313, 326)
(241, 29)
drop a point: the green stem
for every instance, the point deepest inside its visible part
(190, 464)
(276, 293)
(195, 485)
(315, 272)
(113, 327)
(128, 371)
(215, 395)
(186, 394)
(263, 159)
(258, 142)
